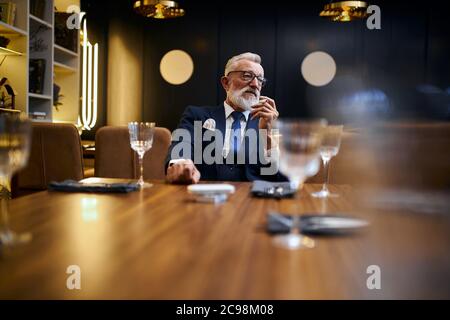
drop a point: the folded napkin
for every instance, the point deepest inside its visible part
(276, 190)
(75, 186)
(315, 224)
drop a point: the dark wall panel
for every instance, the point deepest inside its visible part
(400, 71)
(241, 32)
(197, 35)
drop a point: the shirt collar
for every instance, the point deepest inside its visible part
(229, 109)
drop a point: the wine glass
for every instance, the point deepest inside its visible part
(299, 143)
(15, 137)
(141, 140)
(331, 141)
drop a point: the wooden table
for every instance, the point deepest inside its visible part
(158, 244)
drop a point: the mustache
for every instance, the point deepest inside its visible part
(248, 89)
(237, 97)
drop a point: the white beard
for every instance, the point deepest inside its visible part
(236, 97)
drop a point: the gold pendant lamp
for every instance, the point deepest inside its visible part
(344, 11)
(158, 9)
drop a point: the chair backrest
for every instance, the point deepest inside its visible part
(412, 154)
(55, 155)
(114, 157)
(409, 155)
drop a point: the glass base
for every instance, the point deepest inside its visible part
(9, 238)
(213, 198)
(144, 185)
(324, 194)
(293, 241)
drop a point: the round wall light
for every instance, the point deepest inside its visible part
(176, 67)
(318, 68)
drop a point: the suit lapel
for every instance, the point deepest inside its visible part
(252, 123)
(218, 114)
(249, 146)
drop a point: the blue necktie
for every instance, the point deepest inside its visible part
(236, 131)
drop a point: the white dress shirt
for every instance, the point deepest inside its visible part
(228, 123)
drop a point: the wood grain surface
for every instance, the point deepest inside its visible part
(159, 244)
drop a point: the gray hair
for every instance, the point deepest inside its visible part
(243, 56)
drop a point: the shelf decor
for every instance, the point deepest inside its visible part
(37, 8)
(8, 12)
(4, 42)
(37, 76)
(37, 43)
(65, 37)
(56, 96)
(36, 63)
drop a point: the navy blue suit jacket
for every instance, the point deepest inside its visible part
(215, 171)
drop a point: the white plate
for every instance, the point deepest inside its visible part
(207, 189)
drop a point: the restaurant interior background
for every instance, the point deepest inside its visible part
(400, 72)
(391, 90)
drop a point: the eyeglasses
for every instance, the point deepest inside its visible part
(248, 76)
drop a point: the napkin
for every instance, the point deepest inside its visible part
(276, 190)
(75, 186)
(315, 224)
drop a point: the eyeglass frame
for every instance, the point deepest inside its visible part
(261, 80)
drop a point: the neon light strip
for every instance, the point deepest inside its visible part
(94, 116)
(89, 86)
(90, 82)
(83, 104)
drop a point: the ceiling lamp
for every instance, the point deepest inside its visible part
(344, 11)
(158, 9)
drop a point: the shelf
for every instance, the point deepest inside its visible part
(39, 96)
(66, 51)
(3, 110)
(11, 30)
(32, 36)
(40, 21)
(42, 120)
(62, 68)
(9, 52)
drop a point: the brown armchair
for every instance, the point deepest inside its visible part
(55, 155)
(114, 157)
(393, 154)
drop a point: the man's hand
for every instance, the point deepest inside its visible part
(183, 172)
(267, 112)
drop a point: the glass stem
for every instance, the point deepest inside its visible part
(5, 196)
(295, 224)
(326, 165)
(141, 168)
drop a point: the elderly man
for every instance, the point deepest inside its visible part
(243, 111)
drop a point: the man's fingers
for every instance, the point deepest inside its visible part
(191, 174)
(265, 115)
(270, 101)
(196, 176)
(184, 172)
(264, 108)
(172, 173)
(266, 105)
(262, 103)
(265, 112)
